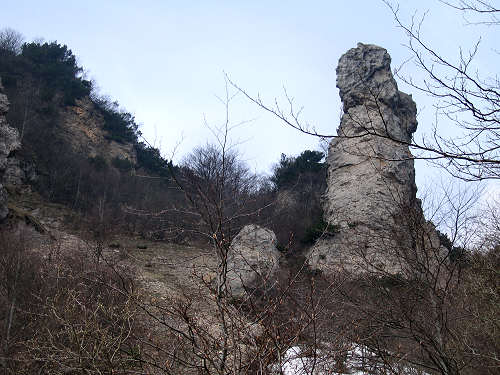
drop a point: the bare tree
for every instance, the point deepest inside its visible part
(488, 234)
(207, 329)
(425, 314)
(465, 98)
(60, 312)
(218, 190)
(11, 41)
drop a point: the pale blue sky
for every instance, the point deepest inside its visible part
(164, 60)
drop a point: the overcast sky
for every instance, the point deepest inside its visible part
(164, 60)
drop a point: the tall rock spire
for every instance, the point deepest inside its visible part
(371, 174)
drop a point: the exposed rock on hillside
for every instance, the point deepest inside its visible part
(371, 176)
(253, 259)
(83, 128)
(9, 142)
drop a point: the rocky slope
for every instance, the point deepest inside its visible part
(82, 127)
(371, 190)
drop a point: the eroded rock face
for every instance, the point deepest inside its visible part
(9, 141)
(371, 176)
(83, 128)
(253, 259)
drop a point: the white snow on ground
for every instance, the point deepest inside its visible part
(296, 364)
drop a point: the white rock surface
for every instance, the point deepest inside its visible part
(371, 176)
(252, 260)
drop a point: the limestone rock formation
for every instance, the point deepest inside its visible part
(371, 176)
(9, 142)
(253, 259)
(83, 128)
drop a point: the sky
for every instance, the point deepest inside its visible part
(165, 61)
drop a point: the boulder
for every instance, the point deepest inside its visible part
(252, 259)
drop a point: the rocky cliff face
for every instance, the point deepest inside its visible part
(371, 177)
(9, 142)
(83, 128)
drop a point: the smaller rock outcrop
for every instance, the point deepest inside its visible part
(253, 259)
(9, 142)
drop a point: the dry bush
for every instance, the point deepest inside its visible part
(62, 313)
(437, 313)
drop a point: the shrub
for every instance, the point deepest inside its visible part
(151, 160)
(119, 124)
(290, 169)
(63, 313)
(317, 230)
(123, 165)
(99, 163)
